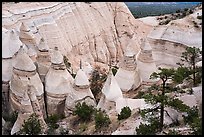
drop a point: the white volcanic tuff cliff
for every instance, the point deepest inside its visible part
(94, 32)
(169, 41)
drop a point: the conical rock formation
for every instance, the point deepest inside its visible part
(128, 76)
(81, 93)
(58, 84)
(146, 63)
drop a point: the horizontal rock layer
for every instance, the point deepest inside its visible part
(95, 32)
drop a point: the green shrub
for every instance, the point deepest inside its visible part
(173, 132)
(178, 11)
(125, 113)
(84, 111)
(31, 126)
(11, 117)
(114, 70)
(101, 119)
(194, 120)
(190, 11)
(149, 129)
(52, 121)
(97, 79)
(199, 17)
(66, 62)
(139, 95)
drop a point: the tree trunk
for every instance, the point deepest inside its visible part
(162, 108)
(194, 79)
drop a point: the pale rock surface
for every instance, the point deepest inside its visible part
(127, 127)
(87, 68)
(23, 72)
(58, 84)
(127, 76)
(30, 39)
(97, 32)
(10, 46)
(131, 103)
(179, 33)
(108, 106)
(189, 100)
(111, 88)
(110, 93)
(36, 106)
(176, 35)
(80, 93)
(171, 115)
(29, 105)
(23, 62)
(146, 63)
(199, 64)
(81, 79)
(24, 112)
(43, 59)
(166, 56)
(27, 37)
(150, 20)
(197, 92)
(3, 123)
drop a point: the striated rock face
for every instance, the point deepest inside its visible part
(24, 71)
(43, 59)
(81, 93)
(128, 76)
(169, 41)
(25, 111)
(36, 106)
(58, 84)
(95, 32)
(146, 63)
(30, 39)
(10, 45)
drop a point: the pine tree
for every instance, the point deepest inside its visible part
(31, 126)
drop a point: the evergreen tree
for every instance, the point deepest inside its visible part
(158, 98)
(164, 75)
(191, 56)
(31, 126)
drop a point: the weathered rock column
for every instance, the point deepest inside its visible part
(10, 45)
(43, 59)
(128, 77)
(58, 84)
(24, 69)
(146, 63)
(25, 110)
(36, 106)
(30, 39)
(81, 93)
